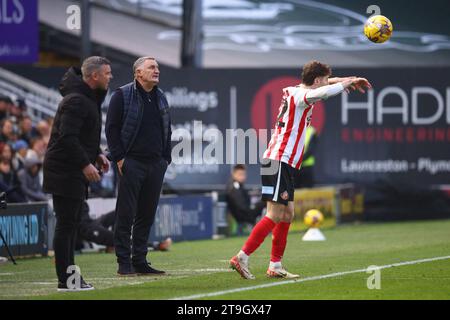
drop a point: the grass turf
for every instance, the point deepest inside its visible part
(202, 266)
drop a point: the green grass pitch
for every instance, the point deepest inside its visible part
(201, 267)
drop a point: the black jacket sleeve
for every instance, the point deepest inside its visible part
(113, 126)
(73, 116)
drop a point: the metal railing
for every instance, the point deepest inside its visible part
(42, 102)
(164, 12)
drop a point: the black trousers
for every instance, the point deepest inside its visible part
(137, 201)
(68, 213)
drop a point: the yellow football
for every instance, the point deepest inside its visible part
(313, 218)
(378, 29)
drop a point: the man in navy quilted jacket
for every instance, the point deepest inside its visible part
(139, 140)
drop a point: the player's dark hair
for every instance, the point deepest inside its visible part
(314, 69)
(239, 167)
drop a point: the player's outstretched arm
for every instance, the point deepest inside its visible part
(325, 92)
(331, 90)
(338, 79)
(359, 84)
(335, 80)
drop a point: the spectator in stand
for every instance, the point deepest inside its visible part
(30, 184)
(5, 103)
(44, 130)
(9, 182)
(6, 151)
(15, 114)
(50, 122)
(20, 149)
(37, 148)
(22, 105)
(8, 133)
(27, 131)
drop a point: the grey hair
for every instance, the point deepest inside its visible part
(92, 64)
(139, 62)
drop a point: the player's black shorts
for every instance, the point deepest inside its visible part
(278, 185)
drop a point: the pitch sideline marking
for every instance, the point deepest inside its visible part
(125, 281)
(280, 283)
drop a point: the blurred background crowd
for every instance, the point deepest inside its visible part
(22, 148)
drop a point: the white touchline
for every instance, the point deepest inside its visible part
(325, 276)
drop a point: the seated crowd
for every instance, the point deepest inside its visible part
(22, 150)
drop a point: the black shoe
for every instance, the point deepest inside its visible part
(126, 270)
(62, 287)
(144, 269)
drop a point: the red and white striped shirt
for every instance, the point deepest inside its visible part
(288, 139)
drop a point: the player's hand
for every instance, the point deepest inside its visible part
(119, 165)
(103, 163)
(91, 173)
(346, 82)
(360, 84)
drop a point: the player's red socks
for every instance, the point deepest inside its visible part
(279, 240)
(258, 234)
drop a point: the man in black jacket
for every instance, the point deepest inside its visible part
(139, 140)
(71, 159)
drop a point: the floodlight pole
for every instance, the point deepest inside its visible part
(85, 29)
(192, 30)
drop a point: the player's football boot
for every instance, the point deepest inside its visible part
(241, 267)
(281, 273)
